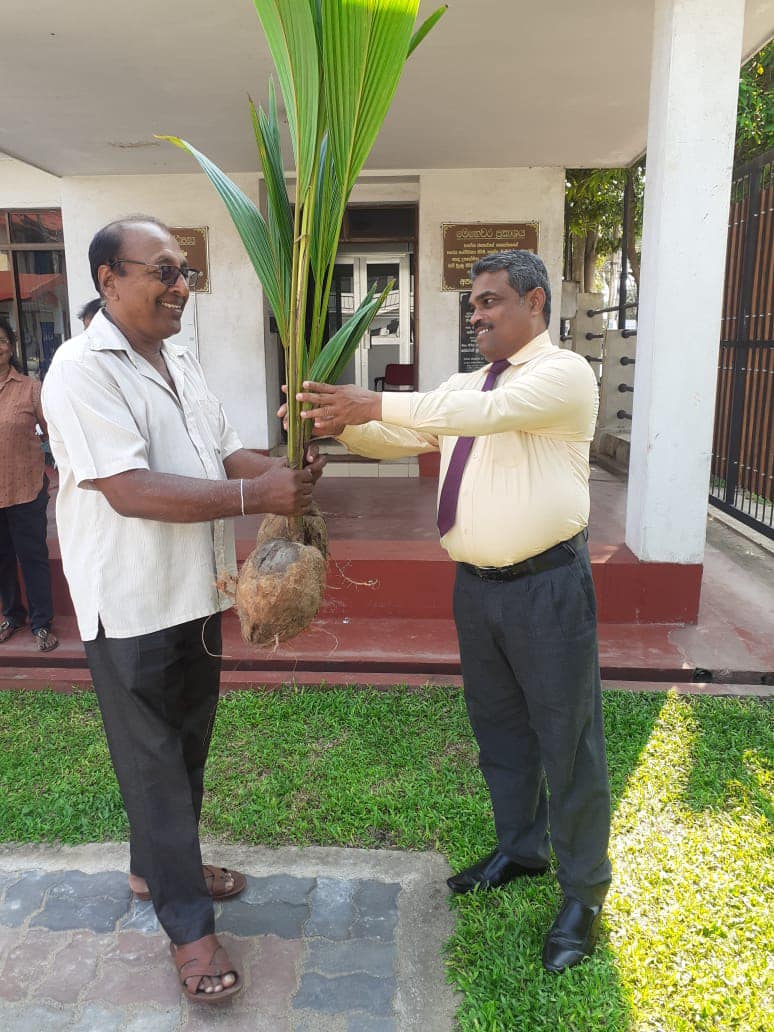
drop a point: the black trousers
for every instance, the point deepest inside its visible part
(532, 687)
(23, 531)
(158, 694)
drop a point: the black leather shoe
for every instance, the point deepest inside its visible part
(572, 936)
(490, 873)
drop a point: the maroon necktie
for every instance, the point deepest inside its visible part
(447, 504)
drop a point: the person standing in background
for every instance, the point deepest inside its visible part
(23, 502)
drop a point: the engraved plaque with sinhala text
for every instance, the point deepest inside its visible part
(193, 244)
(463, 244)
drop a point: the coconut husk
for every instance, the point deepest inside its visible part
(314, 530)
(279, 591)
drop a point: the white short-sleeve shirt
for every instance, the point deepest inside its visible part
(109, 411)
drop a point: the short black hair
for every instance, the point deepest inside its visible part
(90, 309)
(10, 333)
(106, 243)
(525, 272)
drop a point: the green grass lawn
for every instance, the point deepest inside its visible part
(688, 932)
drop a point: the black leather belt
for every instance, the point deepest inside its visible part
(559, 555)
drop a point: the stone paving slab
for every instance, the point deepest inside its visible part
(327, 940)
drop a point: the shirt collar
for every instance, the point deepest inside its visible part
(537, 346)
(103, 335)
(14, 374)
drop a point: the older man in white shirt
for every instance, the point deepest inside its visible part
(512, 511)
(149, 472)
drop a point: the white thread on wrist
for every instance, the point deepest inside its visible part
(242, 495)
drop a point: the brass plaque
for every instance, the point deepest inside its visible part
(193, 244)
(463, 244)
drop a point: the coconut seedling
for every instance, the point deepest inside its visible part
(338, 64)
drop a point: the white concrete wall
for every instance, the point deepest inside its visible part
(22, 186)
(480, 195)
(231, 320)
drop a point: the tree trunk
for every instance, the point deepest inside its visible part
(589, 260)
(631, 241)
(577, 260)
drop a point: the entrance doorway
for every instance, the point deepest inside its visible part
(390, 338)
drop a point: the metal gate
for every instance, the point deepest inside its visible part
(742, 481)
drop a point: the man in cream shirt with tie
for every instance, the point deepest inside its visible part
(513, 508)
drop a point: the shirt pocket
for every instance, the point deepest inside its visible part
(506, 449)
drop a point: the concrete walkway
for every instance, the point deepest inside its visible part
(328, 940)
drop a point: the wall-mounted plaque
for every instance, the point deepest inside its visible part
(464, 244)
(193, 244)
(470, 357)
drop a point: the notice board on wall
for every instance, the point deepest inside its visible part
(470, 358)
(465, 243)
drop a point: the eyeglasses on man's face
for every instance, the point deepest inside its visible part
(168, 274)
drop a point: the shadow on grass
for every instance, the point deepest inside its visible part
(733, 755)
(629, 722)
(495, 959)
(495, 955)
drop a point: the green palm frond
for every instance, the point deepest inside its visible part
(365, 46)
(425, 27)
(338, 65)
(290, 32)
(252, 229)
(333, 359)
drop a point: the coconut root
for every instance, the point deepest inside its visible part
(282, 581)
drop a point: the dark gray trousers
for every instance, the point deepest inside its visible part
(532, 688)
(158, 694)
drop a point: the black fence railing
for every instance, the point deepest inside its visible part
(742, 481)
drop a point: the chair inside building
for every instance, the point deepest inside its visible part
(398, 376)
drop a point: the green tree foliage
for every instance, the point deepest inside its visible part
(755, 112)
(593, 218)
(594, 196)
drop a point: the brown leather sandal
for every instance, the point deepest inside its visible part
(204, 958)
(221, 883)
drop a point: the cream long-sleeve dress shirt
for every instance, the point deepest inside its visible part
(109, 411)
(525, 486)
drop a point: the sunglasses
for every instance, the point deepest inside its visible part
(168, 274)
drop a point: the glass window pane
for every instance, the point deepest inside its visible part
(45, 320)
(7, 308)
(36, 227)
(341, 307)
(387, 320)
(6, 288)
(3, 228)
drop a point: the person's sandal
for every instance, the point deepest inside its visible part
(221, 883)
(47, 641)
(204, 958)
(7, 629)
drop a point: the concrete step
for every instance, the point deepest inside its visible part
(372, 651)
(402, 579)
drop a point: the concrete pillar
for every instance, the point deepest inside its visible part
(694, 82)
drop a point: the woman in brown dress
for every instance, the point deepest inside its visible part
(23, 502)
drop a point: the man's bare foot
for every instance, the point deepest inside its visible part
(205, 971)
